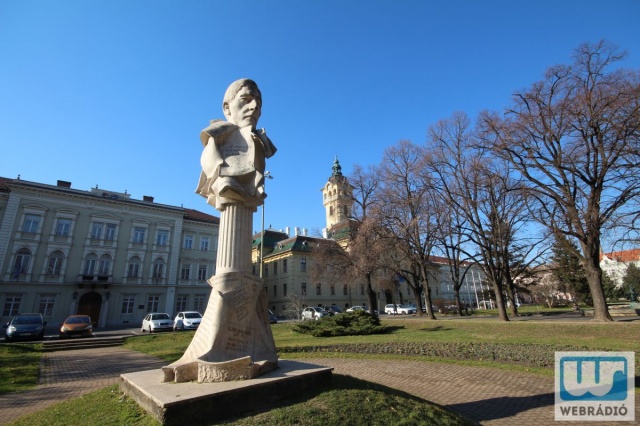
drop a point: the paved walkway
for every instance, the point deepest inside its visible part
(487, 396)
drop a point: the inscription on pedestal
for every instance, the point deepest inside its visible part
(238, 300)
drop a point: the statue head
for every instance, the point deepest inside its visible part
(242, 103)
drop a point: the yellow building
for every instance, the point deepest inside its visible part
(66, 251)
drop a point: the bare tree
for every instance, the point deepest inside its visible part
(490, 200)
(574, 138)
(408, 215)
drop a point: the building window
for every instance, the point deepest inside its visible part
(344, 290)
(139, 235)
(275, 290)
(266, 270)
(184, 271)
(198, 304)
(110, 232)
(330, 210)
(104, 267)
(54, 265)
(202, 272)
(31, 223)
(158, 269)
(181, 303)
(128, 302)
(11, 305)
(303, 289)
(162, 238)
(46, 304)
(204, 243)
(153, 304)
(134, 267)
(21, 265)
(284, 289)
(303, 265)
(90, 265)
(318, 289)
(63, 227)
(332, 290)
(96, 230)
(275, 268)
(188, 242)
(361, 290)
(284, 265)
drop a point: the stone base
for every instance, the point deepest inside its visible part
(213, 372)
(184, 403)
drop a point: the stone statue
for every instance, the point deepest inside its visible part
(234, 339)
(233, 159)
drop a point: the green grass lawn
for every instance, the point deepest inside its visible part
(363, 403)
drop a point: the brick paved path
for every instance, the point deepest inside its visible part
(70, 374)
(485, 395)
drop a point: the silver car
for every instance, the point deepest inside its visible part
(157, 322)
(313, 313)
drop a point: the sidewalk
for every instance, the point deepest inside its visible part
(485, 395)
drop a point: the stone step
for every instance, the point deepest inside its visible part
(86, 343)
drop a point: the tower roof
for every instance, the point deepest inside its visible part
(337, 169)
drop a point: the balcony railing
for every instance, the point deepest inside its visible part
(94, 280)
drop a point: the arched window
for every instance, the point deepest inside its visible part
(21, 265)
(158, 268)
(90, 264)
(133, 270)
(330, 210)
(104, 265)
(54, 266)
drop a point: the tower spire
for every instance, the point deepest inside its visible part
(337, 169)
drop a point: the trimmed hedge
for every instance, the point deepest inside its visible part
(525, 354)
(348, 324)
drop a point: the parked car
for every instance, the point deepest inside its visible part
(156, 321)
(392, 309)
(313, 313)
(272, 318)
(25, 326)
(188, 320)
(356, 308)
(333, 310)
(76, 326)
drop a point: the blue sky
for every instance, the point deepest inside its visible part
(114, 93)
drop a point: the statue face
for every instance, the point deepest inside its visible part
(245, 109)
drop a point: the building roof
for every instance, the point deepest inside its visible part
(191, 214)
(623, 255)
(63, 186)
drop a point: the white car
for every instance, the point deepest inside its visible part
(392, 309)
(188, 320)
(313, 313)
(157, 322)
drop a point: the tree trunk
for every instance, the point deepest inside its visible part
(456, 296)
(502, 312)
(371, 296)
(594, 278)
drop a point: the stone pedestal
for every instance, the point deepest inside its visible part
(234, 339)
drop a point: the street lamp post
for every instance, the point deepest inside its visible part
(267, 175)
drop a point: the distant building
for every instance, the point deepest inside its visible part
(615, 264)
(65, 251)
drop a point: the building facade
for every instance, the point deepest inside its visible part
(65, 251)
(615, 264)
